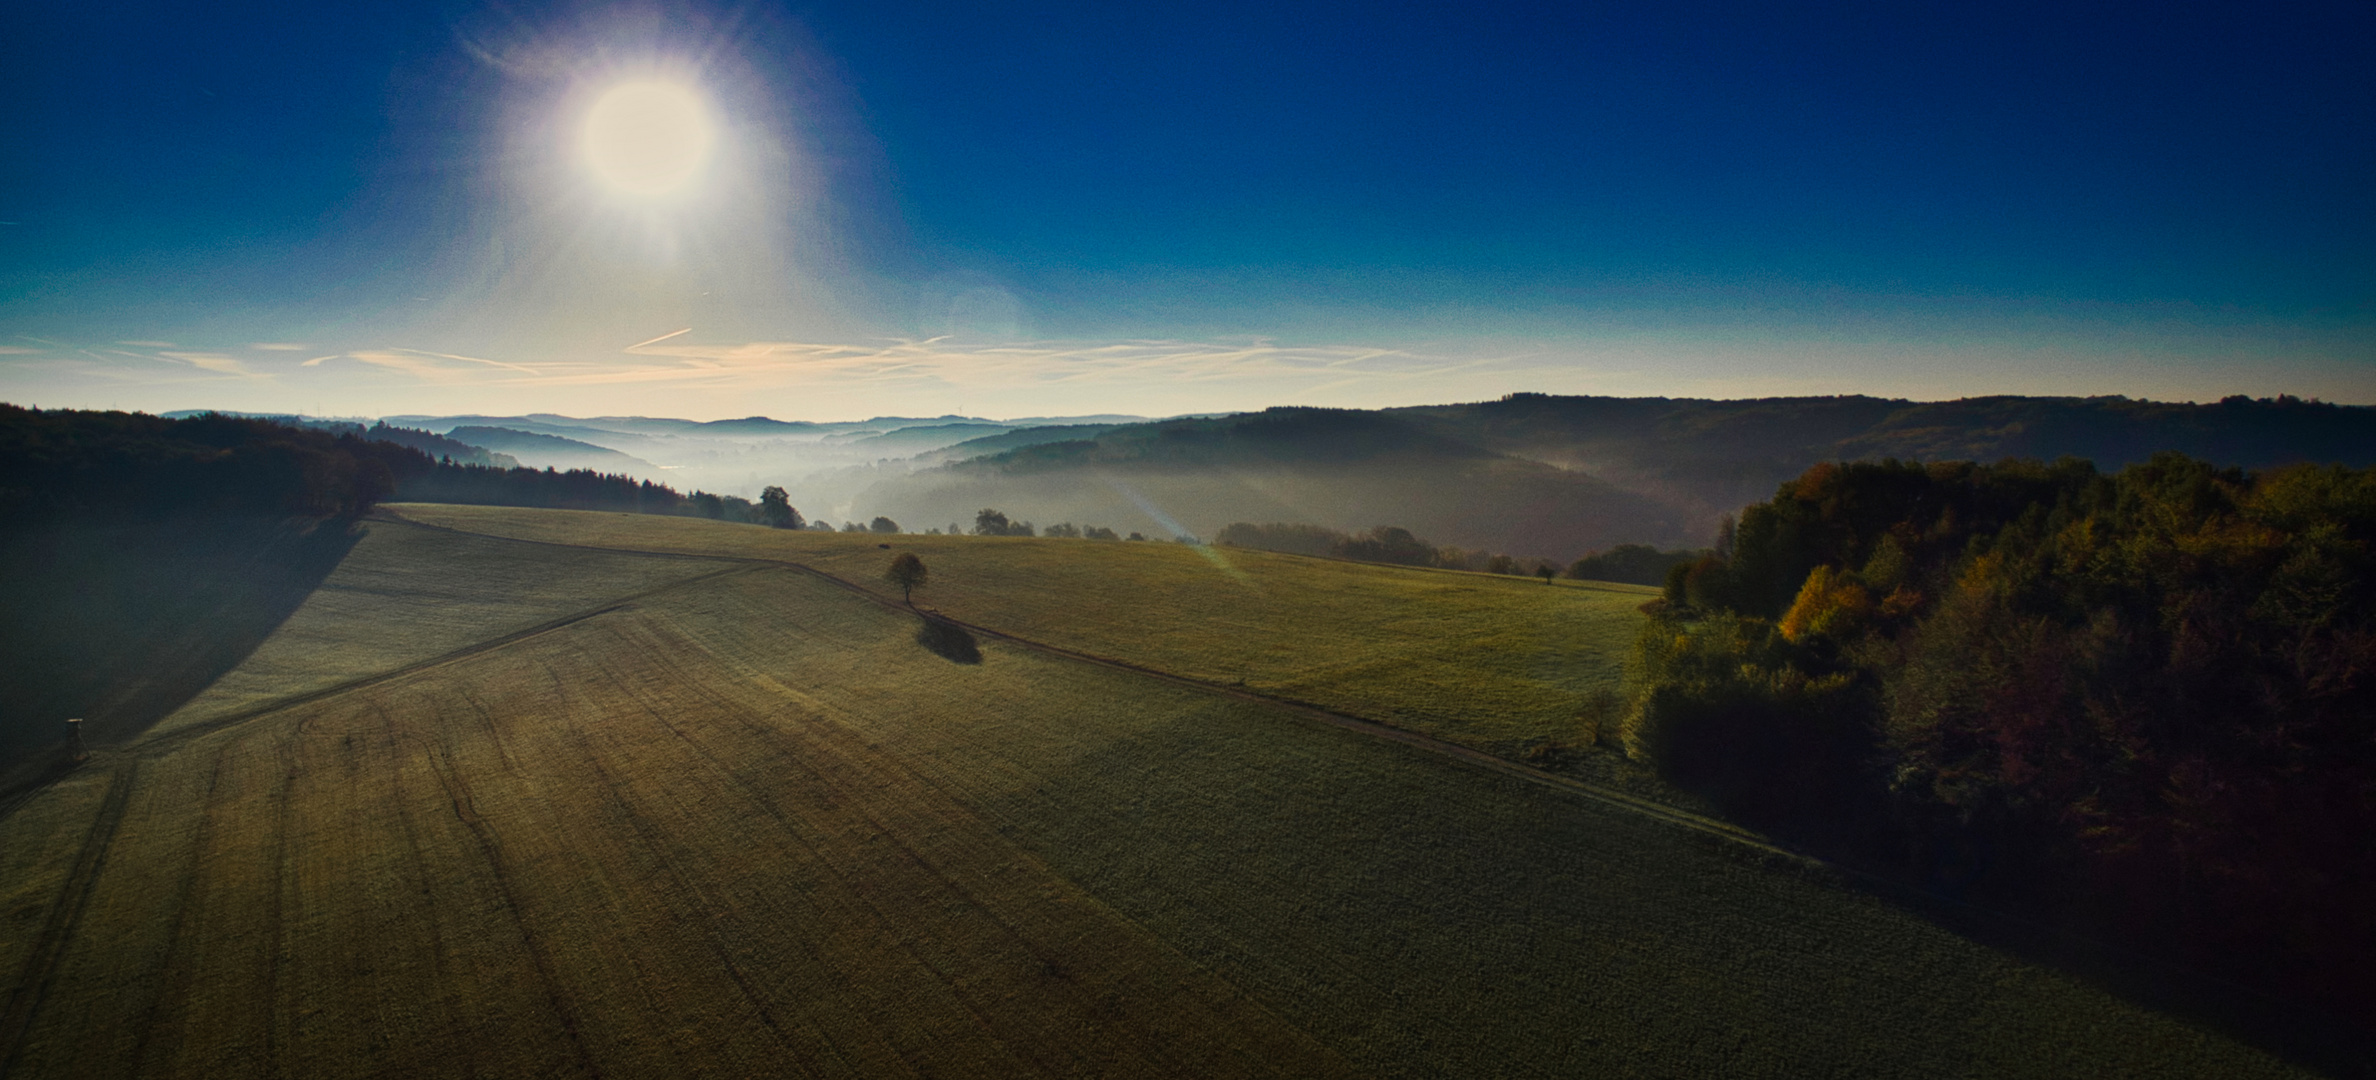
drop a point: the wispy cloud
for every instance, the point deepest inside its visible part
(215, 362)
(421, 368)
(474, 360)
(147, 344)
(437, 367)
(17, 350)
(317, 361)
(1176, 375)
(276, 346)
(787, 363)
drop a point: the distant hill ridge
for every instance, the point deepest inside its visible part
(537, 449)
(438, 446)
(1283, 435)
(1535, 475)
(1551, 476)
(1645, 431)
(506, 438)
(2108, 430)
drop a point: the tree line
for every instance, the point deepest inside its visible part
(1637, 564)
(994, 522)
(58, 463)
(2138, 703)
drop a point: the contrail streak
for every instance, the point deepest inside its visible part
(657, 340)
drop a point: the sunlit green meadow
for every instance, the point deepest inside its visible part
(1485, 660)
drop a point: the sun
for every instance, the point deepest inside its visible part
(647, 138)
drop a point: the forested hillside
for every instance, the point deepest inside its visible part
(438, 446)
(60, 462)
(2138, 702)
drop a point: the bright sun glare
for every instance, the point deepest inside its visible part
(647, 138)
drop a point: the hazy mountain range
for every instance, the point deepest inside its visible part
(1556, 476)
(1529, 474)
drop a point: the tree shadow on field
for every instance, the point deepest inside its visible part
(120, 622)
(948, 641)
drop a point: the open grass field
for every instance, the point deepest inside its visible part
(623, 815)
(410, 595)
(1485, 660)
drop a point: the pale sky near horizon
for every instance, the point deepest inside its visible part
(821, 211)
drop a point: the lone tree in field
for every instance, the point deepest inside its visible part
(775, 508)
(907, 571)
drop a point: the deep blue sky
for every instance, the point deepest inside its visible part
(1689, 198)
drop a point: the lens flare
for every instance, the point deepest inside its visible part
(647, 138)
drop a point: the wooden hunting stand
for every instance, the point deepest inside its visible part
(74, 741)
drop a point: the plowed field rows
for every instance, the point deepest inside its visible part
(745, 824)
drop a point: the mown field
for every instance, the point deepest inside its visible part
(554, 812)
(1485, 660)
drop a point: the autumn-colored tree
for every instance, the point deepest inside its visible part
(1831, 604)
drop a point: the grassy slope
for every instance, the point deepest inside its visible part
(747, 825)
(417, 594)
(1484, 660)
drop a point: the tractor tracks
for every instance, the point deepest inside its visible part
(48, 947)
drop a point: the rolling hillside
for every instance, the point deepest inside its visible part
(710, 802)
(1324, 466)
(1538, 475)
(1490, 661)
(1710, 457)
(540, 451)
